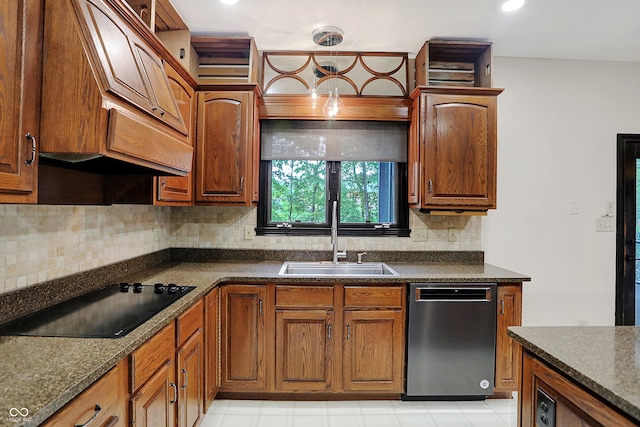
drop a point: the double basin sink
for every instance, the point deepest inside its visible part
(341, 269)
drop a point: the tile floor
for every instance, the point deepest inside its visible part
(262, 413)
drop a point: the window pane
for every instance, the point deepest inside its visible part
(298, 191)
(368, 192)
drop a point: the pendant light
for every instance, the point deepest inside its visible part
(329, 37)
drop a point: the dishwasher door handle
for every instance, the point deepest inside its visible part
(453, 294)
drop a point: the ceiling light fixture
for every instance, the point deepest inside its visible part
(329, 37)
(512, 5)
(230, 2)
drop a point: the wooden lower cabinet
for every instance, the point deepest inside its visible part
(321, 340)
(373, 351)
(212, 346)
(190, 381)
(571, 405)
(305, 345)
(153, 405)
(190, 365)
(103, 404)
(243, 337)
(508, 352)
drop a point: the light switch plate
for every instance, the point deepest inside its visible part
(453, 235)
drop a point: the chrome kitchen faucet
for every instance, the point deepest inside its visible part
(334, 235)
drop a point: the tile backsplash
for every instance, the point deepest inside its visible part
(39, 243)
(224, 227)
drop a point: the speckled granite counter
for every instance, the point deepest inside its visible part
(42, 374)
(605, 360)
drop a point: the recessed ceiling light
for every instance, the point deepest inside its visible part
(229, 1)
(511, 5)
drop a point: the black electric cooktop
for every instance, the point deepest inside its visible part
(109, 312)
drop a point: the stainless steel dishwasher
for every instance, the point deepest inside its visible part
(451, 340)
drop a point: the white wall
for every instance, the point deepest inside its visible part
(557, 129)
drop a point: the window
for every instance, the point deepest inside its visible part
(299, 180)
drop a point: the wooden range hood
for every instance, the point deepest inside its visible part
(107, 106)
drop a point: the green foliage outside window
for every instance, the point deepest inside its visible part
(298, 191)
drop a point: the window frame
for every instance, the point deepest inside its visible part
(265, 227)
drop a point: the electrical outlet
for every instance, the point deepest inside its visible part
(419, 234)
(248, 232)
(453, 235)
(605, 224)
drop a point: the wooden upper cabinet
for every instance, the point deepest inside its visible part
(20, 47)
(131, 69)
(178, 191)
(227, 132)
(458, 148)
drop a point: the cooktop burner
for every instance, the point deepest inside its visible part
(109, 312)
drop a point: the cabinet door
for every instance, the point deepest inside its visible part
(132, 71)
(164, 104)
(508, 351)
(190, 381)
(153, 405)
(178, 190)
(243, 337)
(225, 147)
(459, 156)
(373, 351)
(305, 342)
(20, 47)
(413, 155)
(212, 346)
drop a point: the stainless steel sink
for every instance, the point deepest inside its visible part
(342, 269)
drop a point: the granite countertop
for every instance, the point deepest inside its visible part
(42, 374)
(604, 359)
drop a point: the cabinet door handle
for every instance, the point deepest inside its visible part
(348, 332)
(242, 184)
(162, 112)
(329, 333)
(32, 138)
(186, 378)
(112, 422)
(430, 186)
(175, 393)
(501, 306)
(97, 410)
(260, 305)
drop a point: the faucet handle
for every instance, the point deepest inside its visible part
(360, 254)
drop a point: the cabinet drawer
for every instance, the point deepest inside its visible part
(152, 355)
(304, 296)
(373, 296)
(105, 400)
(189, 322)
